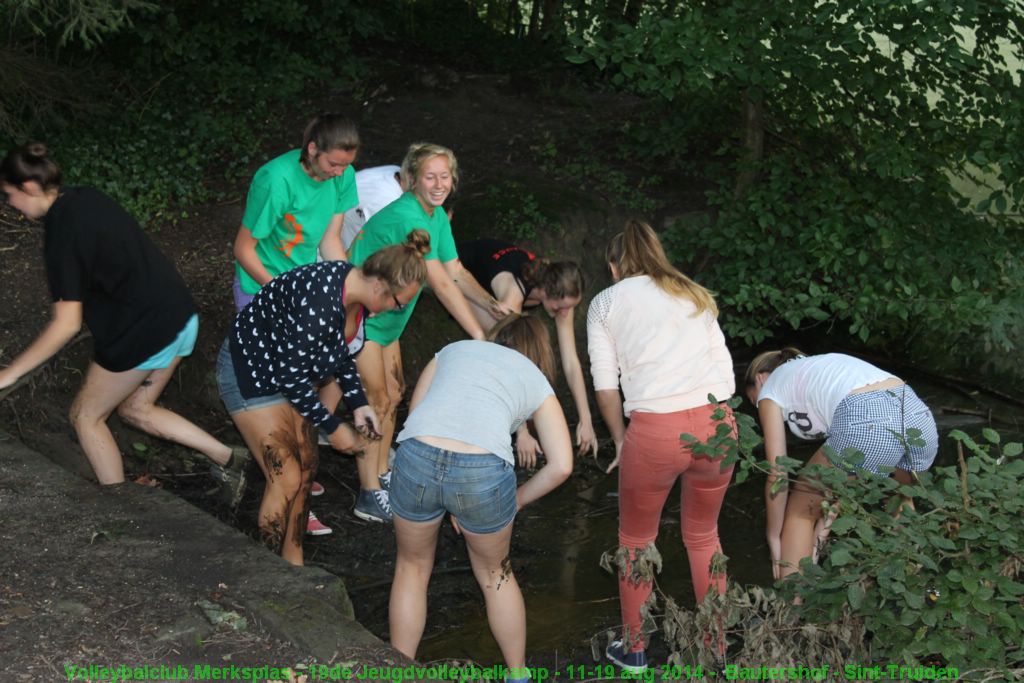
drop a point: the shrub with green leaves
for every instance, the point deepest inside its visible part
(868, 173)
(943, 580)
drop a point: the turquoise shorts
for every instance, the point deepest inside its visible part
(181, 346)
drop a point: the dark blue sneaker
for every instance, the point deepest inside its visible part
(631, 662)
(373, 506)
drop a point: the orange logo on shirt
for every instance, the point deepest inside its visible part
(288, 245)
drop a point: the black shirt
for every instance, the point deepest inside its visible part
(291, 338)
(133, 299)
(486, 258)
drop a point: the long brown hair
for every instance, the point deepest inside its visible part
(768, 362)
(528, 336)
(637, 251)
(400, 264)
(558, 279)
(329, 132)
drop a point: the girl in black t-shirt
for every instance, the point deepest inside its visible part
(102, 269)
(520, 280)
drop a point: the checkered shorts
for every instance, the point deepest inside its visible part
(891, 427)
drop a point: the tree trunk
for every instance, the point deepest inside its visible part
(632, 13)
(753, 141)
(534, 18)
(552, 26)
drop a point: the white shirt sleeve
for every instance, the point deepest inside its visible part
(604, 363)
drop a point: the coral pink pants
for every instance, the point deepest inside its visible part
(652, 458)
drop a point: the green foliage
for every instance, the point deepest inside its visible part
(945, 579)
(732, 445)
(579, 164)
(188, 97)
(516, 212)
(840, 127)
(84, 21)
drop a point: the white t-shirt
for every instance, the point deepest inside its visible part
(481, 392)
(648, 341)
(809, 388)
(377, 188)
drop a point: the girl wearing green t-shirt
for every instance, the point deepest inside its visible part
(433, 173)
(296, 206)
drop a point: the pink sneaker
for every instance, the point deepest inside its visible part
(314, 527)
(316, 489)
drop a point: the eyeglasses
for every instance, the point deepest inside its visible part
(399, 306)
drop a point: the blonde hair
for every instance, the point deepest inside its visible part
(400, 264)
(768, 361)
(528, 336)
(637, 251)
(419, 153)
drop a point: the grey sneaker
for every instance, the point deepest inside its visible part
(373, 506)
(232, 476)
(385, 481)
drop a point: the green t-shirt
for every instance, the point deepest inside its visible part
(391, 225)
(288, 212)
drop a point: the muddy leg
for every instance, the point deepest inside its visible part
(288, 461)
(506, 611)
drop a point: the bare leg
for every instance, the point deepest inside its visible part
(407, 610)
(380, 368)
(283, 446)
(395, 374)
(101, 392)
(905, 478)
(803, 510)
(506, 611)
(140, 411)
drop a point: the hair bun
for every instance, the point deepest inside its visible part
(35, 150)
(419, 240)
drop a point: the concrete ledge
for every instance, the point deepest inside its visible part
(154, 545)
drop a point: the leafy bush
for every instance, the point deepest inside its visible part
(185, 98)
(839, 127)
(943, 581)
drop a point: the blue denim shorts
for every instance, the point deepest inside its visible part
(426, 482)
(227, 384)
(878, 424)
(182, 345)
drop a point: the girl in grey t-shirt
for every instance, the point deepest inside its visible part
(455, 456)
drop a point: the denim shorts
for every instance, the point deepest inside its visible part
(227, 384)
(181, 346)
(878, 424)
(426, 482)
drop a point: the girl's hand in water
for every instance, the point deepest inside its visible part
(615, 462)
(586, 440)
